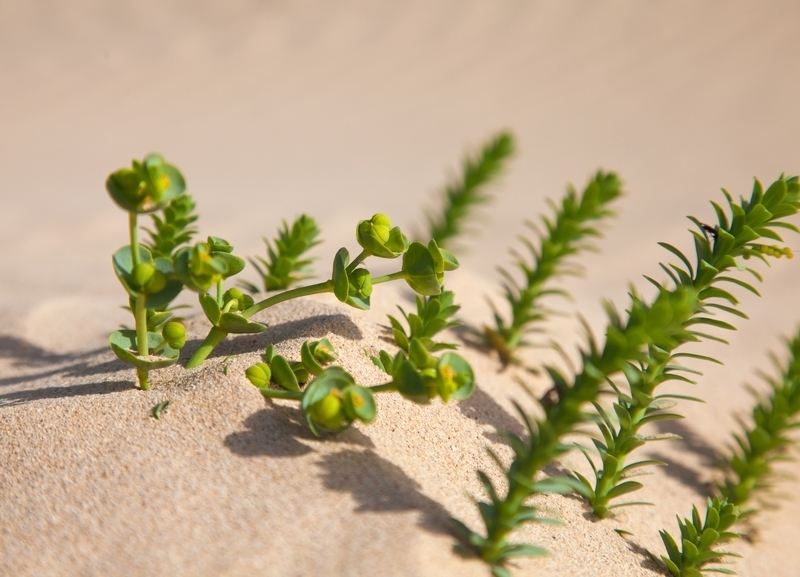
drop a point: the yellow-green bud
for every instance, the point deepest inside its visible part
(327, 412)
(175, 334)
(259, 374)
(142, 273)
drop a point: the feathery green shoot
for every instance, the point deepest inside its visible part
(470, 190)
(717, 250)
(648, 334)
(767, 439)
(572, 223)
(174, 228)
(698, 537)
(285, 264)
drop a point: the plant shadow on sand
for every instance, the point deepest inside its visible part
(26, 355)
(694, 443)
(76, 390)
(281, 431)
(380, 486)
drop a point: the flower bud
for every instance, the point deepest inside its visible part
(377, 237)
(142, 273)
(328, 412)
(324, 352)
(360, 283)
(259, 374)
(156, 283)
(175, 334)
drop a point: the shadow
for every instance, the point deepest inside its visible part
(102, 388)
(648, 561)
(381, 486)
(281, 431)
(25, 354)
(481, 407)
(689, 477)
(315, 327)
(81, 369)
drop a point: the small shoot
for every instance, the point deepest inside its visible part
(469, 191)
(566, 234)
(160, 408)
(286, 263)
(698, 539)
(766, 440)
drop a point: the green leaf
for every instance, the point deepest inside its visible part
(623, 489)
(123, 343)
(283, 374)
(210, 308)
(234, 323)
(341, 283)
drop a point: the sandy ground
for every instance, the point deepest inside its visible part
(340, 110)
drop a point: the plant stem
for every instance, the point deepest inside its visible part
(357, 261)
(213, 338)
(217, 334)
(134, 233)
(219, 293)
(140, 309)
(388, 277)
(313, 289)
(279, 394)
(390, 386)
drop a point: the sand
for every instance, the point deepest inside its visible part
(340, 110)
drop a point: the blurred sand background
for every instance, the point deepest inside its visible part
(342, 109)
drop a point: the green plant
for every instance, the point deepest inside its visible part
(766, 440)
(572, 223)
(148, 274)
(470, 190)
(718, 250)
(747, 469)
(333, 401)
(698, 537)
(174, 227)
(646, 336)
(423, 268)
(285, 264)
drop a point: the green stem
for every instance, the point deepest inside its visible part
(279, 394)
(318, 288)
(388, 277)
(357, 261)
(140, 314)
(219, 293)
(390, 386)
(214, 337)
(134, 233)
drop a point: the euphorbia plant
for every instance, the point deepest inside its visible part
(149, 275)
(333, 400)
(423, 268)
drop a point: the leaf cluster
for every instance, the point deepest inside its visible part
(566, 234)
(286, 263)
(434, 314)
(698, 537)
(766, 439)
(174, 227)
(469, 191)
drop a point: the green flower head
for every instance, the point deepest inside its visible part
(377, 237)
(147, 186)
